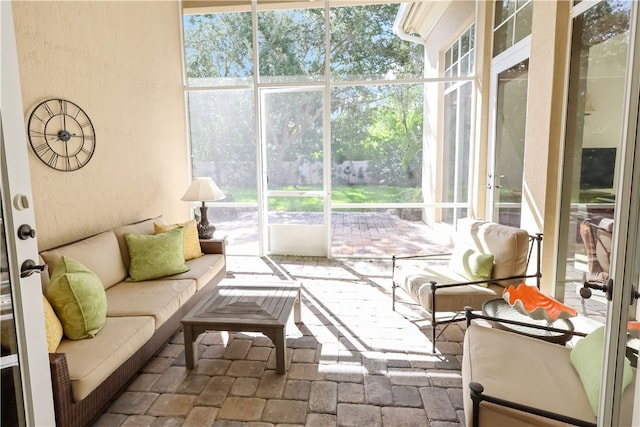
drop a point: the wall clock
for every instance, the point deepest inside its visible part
(61, 135)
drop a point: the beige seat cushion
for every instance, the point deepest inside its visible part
(100, 254)
(157, 298)
(524, 370)
(415, 279)
(202, 269)
(91, 361)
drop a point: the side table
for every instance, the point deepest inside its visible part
(500, 309)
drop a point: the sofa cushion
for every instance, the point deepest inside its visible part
(202, 269)
(415, 279)
(99, 253)
(157, 298)
(191, 241)
(141, 227)
(92, 361)
(78, 298)
(509, 246)
(155, 255)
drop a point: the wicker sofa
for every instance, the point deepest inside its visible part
(88, 374)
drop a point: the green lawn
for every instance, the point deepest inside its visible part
(341, 194)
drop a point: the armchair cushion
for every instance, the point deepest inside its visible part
(509, 246)
(415, 279)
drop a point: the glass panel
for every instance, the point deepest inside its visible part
(595, 114)
(511, 117)
(218, 49)
(291, 45)
(512, 23)
(12, 410)
(523, 22)
(223, 147)
(380, 232)
(504, 10)
(376, 143)
(239, 225)
(293, 137)
(456, 149)
(223, 141)
(503, 37)
(364, 47)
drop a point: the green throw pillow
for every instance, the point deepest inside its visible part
(586, 358)
(471, 264)
(156, 255)
(78, 298)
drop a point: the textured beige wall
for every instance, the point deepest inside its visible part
(544, 132)
(121, 62)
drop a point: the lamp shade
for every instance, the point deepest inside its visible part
(203, 190)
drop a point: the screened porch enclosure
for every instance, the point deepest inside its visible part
(325, 129)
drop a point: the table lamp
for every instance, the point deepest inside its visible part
(203, 190)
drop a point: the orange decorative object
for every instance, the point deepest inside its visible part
(528, 300)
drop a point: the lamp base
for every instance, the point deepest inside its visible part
(205, 229)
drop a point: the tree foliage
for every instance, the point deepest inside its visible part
(380, 123)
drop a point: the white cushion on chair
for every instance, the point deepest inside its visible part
(509, 246)
(415, 279)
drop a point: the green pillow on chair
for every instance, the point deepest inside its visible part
(156, 255)
(471, 264)
(78, 298)
(586, 358)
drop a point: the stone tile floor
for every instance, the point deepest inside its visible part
(352, 362)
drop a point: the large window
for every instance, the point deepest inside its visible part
(458, 107)
(318, 111)
(512, 23)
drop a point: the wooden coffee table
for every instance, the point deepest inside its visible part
(244, 307)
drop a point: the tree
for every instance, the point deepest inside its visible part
(377, 123)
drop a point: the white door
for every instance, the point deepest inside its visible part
(509, 93)
(293, 141)
(26, 378)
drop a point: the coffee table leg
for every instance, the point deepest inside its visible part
(190, 350)
(297, 316)
(281, 349)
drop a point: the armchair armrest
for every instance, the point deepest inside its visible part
(470, 315)
(478, 396)
(214, 246)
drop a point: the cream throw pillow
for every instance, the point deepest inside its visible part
(192, 247)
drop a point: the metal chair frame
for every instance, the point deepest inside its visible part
(534, 240)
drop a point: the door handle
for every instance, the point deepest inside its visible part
(25, 231)
(607, 288)
(29, 267)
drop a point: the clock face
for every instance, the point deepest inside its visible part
(61, 135)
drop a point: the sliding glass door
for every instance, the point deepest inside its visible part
(599, 251)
